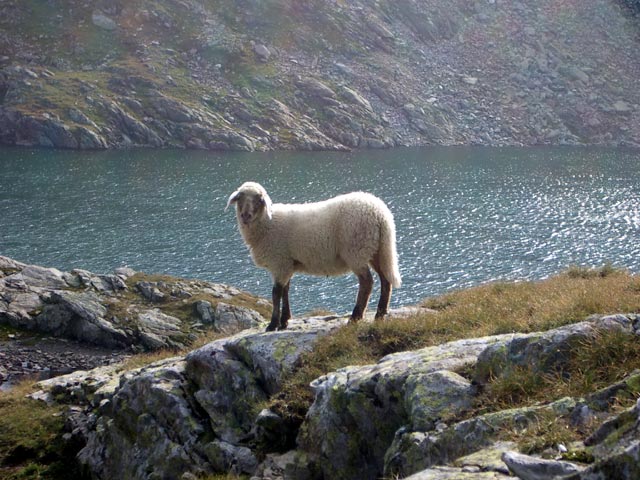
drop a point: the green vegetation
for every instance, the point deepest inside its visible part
(31, 444)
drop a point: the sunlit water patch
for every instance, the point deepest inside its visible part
(464, 215)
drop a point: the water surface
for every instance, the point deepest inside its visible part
(464, 215)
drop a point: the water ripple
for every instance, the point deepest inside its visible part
(464, 215)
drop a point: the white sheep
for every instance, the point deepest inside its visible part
(346, 233)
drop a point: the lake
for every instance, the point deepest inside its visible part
(464, 216)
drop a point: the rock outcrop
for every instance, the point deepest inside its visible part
(124, 311)
(205, 412)
(319, 75)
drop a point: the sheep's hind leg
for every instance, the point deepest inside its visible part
(365, 280)
(385, 298)
(385, 290)
(286, 310)
(276, 298)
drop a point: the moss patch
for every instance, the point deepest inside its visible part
(31, 444)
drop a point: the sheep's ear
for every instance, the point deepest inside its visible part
(268, 205)
(232, 199)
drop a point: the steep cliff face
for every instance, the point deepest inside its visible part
(319, 74)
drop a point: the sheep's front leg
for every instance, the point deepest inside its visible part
(280, 319)
(286, 310)
(276, 298)
(365, 281)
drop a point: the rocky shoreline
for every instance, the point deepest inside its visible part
(42, 358)
(54, 322)
(209, 409)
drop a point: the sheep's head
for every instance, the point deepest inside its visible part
(251, 201)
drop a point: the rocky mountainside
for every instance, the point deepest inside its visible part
(185, 417)
(319, 74)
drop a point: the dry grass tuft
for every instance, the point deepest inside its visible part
(489, 309)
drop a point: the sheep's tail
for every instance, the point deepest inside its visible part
(387, 252)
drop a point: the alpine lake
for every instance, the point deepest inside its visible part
(464, 215)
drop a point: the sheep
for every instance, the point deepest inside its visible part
(346, 233)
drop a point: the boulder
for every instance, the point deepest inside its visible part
(358, 410)
(147, 429)
(233, 375)
(81, 316)
(527, 467)
(262, 52)
(158, 330)
(231, 318)
(545, 351)
(99, 19)
(414, 451)
(185, 417)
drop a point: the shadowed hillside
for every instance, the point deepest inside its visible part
(318, 74)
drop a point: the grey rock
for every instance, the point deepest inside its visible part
(226, 457)
(233, 375)
(413, 451)
(271, 433)
(99, 19)
(451, 473)
(45, 132)
(174, 110)
(375, 401)
(150, 291)
(621, 106)
(82, 387)
(292, 465)
(131, 126)
(134, 440)
(90, 140)
(124, 272)
(158, 330)
(545, 351)
(487, 459)
(230, 318)
(10, 264)
(204, 311)
(99, 283)
(262, 52)
(41, 278)
(80, 315)
(532, 468)
(354, 97)
(315, 88)
(226, 389)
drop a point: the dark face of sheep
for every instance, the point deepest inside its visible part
(249, 207)
(252, 201)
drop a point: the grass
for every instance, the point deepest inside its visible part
(595, 363)
(489, 309)
(30, 438)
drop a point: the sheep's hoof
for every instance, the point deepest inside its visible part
(272, 327)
